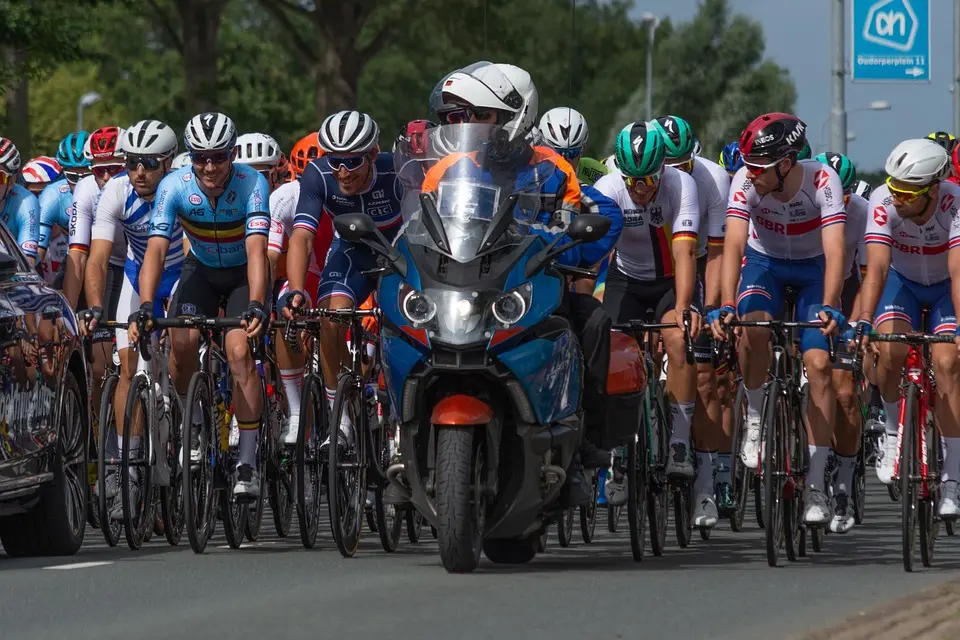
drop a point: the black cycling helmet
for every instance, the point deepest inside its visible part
(774, 136)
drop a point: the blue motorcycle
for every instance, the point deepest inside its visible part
(483, 379)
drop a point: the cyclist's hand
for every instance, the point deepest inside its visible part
(855, 335)
(290, 303)
(254, 320)
(831, 319)
(89, 319)
(142, 318)
(694, 316)
(716, 318)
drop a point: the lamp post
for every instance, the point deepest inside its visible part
(651, 21)
(876, 105)
(88, 99)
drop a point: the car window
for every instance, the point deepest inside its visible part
(9, 247)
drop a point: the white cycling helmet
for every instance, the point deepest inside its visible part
(498, 86)
(863, 189)
(210, 131)
(258, 148)
(348, 132)
(9, 157)
(564, 128)
(180, 161)
(87, 154)
(919, 161)
(150, 138)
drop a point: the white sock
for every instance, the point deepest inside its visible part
(681, 414)
(754, 401)
(818, 466)
(119, 445)
(892, 416)
(704, 480)
(846, 466)
(331, 396)
(951, 461)
(722, 466)
(248, 447)
(292, 381)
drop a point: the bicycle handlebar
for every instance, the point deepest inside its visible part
(638, 326)
(912, 338)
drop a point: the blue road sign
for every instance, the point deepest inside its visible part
(891, 40)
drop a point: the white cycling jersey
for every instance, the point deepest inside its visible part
(283, 209)
(919, 253)
(120, 209)
(713, 185)
(56, 254)
(854, 233)
(644, 250)
(85, 197)
(789, 230)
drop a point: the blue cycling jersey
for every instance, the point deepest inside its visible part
(21, 214)
(55, 202)
(320, 192)
(217, 232)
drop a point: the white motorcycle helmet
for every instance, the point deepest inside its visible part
(501, 87)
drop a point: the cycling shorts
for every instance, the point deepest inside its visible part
(903, 299)
(129, 299)
(205, 290)
(342, 274)
(703, 345)
(628, 299)
(111, 297)
(763, 281)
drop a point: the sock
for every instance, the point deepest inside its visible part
(845, 468)
(722, 467)
(292, 381)
(818, 466)
(681, 414)
(249, 431)
(951, 460)
(892, 417)
(331, 396)
(119, 445)
(704, 480)
(754, 401)
(134, 443)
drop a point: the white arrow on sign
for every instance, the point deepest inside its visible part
(914, 71)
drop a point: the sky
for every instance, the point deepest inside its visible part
(798, 37)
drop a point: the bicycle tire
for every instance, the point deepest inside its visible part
(795, 449)
(265, 449)
(758, 505)
(414, 521)
(346, 491)
(233, 513)
(929, 504)
(637, 474)
(111, 529)
(565, 527)
(588, 512)
(135, 524)
(309, 471)
(683, 513)
(658, 490)
(909, 495)
(199, 494)
(773, 470)
(860, 486)
(389, 518)
(740, 475)
(613, 517)
(171, 497)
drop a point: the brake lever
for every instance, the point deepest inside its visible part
(687, 340)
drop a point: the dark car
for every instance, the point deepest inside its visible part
(44, 414)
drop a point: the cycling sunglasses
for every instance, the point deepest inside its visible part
(684, 165)
(73, 177)
(349, 163)
(464, 115)
(6, 178)
(150, 163)
(217, 157)
(906, 196)
(571, 153)
(647, 181)
(106, 170)
(755, 168)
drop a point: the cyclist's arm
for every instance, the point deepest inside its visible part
(313, 194)
(879, 249)
(28, 231)
(257, 233)
(833, 218)
(49, 215)
(686, 226)
(81, 221)
(166, 208)
(714, 263)
(734, 246)
(109, 208)
(953, 262)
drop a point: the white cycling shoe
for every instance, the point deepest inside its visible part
(750, 447)
(616, 492)
(290, 430)
(705, 514)
(886, 458)
(817, 508)
(949, 507)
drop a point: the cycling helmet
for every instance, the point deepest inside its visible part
(210, 131)
(180, 161)
(150, 138)
(863, 189)
(955, 160)
(9, 157)
(805, 152)
(306, 149)
(70, 152)
(842, 165)
(730, 156)
(677, 135)
(41, 170)
(106, 143)
(258, 148)
(504, 88)
(774, 136)
(697, 149)
(640, 149)
(348, 132)
(564, 128)
(917, 162)
(944, 139)
(413, 140)
(283, 171)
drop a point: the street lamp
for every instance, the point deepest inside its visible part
(88, 99)
(875, 105)
(651, 21)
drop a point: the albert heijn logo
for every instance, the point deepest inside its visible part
(880, 215)
(891, 23)
(821, 179)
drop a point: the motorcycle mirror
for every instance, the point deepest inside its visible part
(588, 227)
(354, 227)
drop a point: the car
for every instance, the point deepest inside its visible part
(45, 417)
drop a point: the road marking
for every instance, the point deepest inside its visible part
(250, 545)
(78, 565)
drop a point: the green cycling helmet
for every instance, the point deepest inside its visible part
(805, 153)
(640, 150)
(842, 165)
(677, 135)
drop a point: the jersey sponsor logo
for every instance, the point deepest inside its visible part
(656, 216)
(740, 197)
(195, 213)
(687, 223)
(231, 197)
(946, 202)
(29, 245)
(187, 176)
(880, 215)
(188, 309)
(162, 227)
(797, 203)
(765, 210)
(821, 178)
(64, 188)
(195, 199)
(771, 225)
(798, 213)
(257, 198)
(378, 194)
(259, 223)
(633, 218)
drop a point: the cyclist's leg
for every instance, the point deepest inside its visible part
(681, 387)
(290, 364)
(128, 303)
(706, 416)
(102, 341)
(946, 372)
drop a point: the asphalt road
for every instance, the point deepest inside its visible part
(721, 588)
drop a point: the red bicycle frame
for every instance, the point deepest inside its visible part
(915, 373)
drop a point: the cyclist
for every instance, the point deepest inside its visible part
(283, 210)
(916, 213)
(39, 172)
(37, 175)
(805, 152)
(19, 209)
(180, 161)
(944, 139)
(56, 206)
(223, 207)
(566, 130)
(730, 158)
(796, 208)
(125, 205)
(863, 189)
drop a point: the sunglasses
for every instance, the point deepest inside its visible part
(684, 165)
(571, 153)
(755, 168)
(73, 177)
(6, 178)
(349, 163)
(106, 170)
(465, 114)
(218, 157)
(150, 163)
(906, 196)
(647, 181)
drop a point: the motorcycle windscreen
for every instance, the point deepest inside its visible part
(466, 210)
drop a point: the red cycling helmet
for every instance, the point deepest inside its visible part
(773, 135)
(105, 143)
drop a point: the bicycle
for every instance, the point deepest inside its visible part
(858, 492)
(919, 448)
(741, 479)
(108, 465)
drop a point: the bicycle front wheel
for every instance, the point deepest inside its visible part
(171, 497)
(909, 491)
(309, 474)
(199, 496)
(107, 465)
(346, 479)
(929, 501)
(740, 475)
(136, 481)
(774, 469)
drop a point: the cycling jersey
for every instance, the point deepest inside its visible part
(919, 253)
(644, 250)
(283, 210)
(320, 192)
(56, 203)
(86, 193)
(53, 261)
(590, 170)
(854, 233)
(21, 215)
(789, 230)
(120, 206)
(713, 185)
(217, 232)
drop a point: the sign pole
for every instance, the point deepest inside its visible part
(838, 113)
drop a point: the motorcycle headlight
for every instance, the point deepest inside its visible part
(509, 308)
(417, 307)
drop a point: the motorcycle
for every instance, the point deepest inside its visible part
(485, 381)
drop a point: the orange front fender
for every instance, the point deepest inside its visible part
(461, 410)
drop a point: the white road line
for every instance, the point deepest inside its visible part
(79, 565)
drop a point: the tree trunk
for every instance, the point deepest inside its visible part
(336, 81)
(18, 105)
(200, 20)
